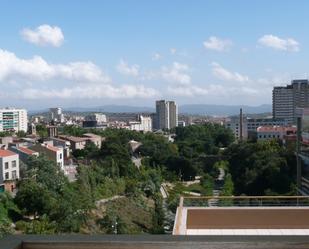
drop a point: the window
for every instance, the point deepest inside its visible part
(60, 156)
(6, 177)
(14, 174)
(6, 165)
(14, 164)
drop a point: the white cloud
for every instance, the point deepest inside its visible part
(187, 91)
(44, 35)
(156, 57)
(91, 92)
(13, 68)
(124, 68)
(224, 74)
(177, 73)
(37, 79)
(217, 44)
(288, 44)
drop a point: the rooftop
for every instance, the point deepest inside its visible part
(6, 153)
(237, 215)
(26, 150)
(91, 135)
(276, 129)
(73, 139)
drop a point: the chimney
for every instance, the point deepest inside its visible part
(240, 125)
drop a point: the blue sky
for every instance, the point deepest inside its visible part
(90, 53)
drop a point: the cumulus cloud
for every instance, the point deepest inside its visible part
(13, 68)
(224, 74)
(124, 68)
(217, 44)
(44, 35)
(288, 44)
(177, 73)
(38, 79)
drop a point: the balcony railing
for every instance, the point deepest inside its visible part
(244, 201)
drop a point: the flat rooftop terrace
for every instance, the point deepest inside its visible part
(269, 215)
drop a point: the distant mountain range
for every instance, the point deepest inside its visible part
(196, 109)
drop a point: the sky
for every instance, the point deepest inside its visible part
(132, 52)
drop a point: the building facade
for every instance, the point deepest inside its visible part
(287, 99)
(166, 114)
(274, 132)
(51, 152)
(9, 169)
(13, 120)
(99, 117)
(250, 125)
(143, 123)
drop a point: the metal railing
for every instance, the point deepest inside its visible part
(243, 201)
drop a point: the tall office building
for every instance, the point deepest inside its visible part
(287, 99)
(166, 114)
(56, 115)
(12, 119)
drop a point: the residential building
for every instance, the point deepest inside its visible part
(166, 114)
(9, 170)
(5, 141)
(143, 123)
(182, 123)
(287, 99)
(77, 143)
(66, 145)
(95, 120)
(173, 114)
(23, 152)
(235, 125)
(99, 117)
(96, 139)
(274, 132)
(56, 115)
(51, 152)
(13, 120)
(250, 125)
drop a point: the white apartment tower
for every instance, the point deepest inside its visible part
(166, 114)
(12, 119)
(287, 99)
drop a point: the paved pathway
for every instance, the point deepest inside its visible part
(216, 191)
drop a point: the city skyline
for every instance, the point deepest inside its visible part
(133, 53)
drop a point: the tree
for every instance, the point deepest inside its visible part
(41, 131)
(260, 168)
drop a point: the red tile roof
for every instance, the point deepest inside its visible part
(52, 148)
(6, 153)
(26, 150)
